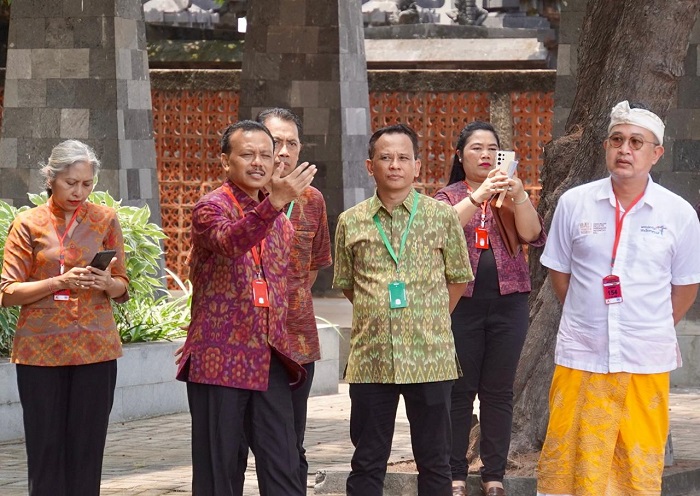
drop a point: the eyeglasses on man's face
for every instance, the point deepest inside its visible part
(636, 143)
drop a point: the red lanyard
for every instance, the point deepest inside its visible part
(61, 249)
(257, 254)
(483, 205)
(618, 224)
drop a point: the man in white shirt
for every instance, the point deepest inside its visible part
(622, 259)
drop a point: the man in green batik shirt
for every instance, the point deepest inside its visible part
(401, 259)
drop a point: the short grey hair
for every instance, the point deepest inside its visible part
(66, 154)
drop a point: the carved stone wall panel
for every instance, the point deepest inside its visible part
(187, 132)
(532, 128)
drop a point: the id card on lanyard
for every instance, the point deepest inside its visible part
(397, 288)
(63, 294)
(481, 234)
(259, 285)
(612, 287)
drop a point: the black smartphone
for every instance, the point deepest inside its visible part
(102, 258)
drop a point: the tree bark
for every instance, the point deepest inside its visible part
(629, 50)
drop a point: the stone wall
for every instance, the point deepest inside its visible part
(79, 71)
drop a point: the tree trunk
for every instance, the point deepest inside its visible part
(629, 50)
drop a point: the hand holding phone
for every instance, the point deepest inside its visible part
(102, 259)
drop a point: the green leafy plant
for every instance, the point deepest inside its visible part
(152, 312)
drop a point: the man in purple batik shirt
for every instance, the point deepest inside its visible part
(236, 359)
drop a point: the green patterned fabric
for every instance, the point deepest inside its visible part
(403, 345)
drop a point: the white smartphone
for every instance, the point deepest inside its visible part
(505, 160)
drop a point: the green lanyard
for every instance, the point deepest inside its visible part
(289, 210)
(387, 243)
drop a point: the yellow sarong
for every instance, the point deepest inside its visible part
(606, 434)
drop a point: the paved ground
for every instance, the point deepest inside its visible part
(152, 457)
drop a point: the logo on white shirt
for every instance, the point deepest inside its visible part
(658, 230)
(585, 228)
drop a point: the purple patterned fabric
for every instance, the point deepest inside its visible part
(230, 340)
(513, 273)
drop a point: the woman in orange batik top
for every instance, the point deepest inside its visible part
(66, 343)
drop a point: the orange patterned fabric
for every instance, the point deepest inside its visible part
(74, 332)
(606, 434)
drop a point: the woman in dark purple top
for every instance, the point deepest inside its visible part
(491, 319)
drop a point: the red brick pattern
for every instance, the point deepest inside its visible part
(187, 126)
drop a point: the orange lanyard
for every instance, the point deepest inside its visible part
(257, 254)
(61, 249)
(619, 219)
(483, 204)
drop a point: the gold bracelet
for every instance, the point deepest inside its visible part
(527, 197)
(471, 199)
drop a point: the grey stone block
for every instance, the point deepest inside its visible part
(119, 89)
(61, 93)
(294, 13)
(320, 13)
(356, 121)
(688, 94)
(689, 374)
(570, 27)
(29, 33)
(19, 64)
(123, 63)
(11, 98)
(328, 40)
(130, 9)
(15, 185)
(147, 363)
(59, 32)
(8, 159)
(75, 124)
(46, 63)
(47, 123)
(137, 123)
(32, 152)
(125, 33)
(268, 66)
(11, 423)
(17, 123)
(565, 91)
(144, 153)
(316, 120)
(149, 400)
(147, 179)
(75, 63)
(32, 93)
(92, 32)
(139, 65)
(292, 39)
(304, 94)
(680, 123)
(102, 64)
(686, 156)
(138, 95)
(102, 124)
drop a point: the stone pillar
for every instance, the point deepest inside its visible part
(78, 69)
(309, 56)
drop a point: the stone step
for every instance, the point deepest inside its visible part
(683, 479)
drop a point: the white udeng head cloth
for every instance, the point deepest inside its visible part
(623, 114)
